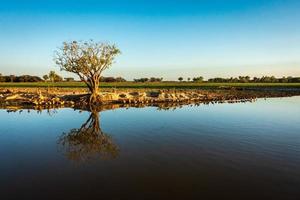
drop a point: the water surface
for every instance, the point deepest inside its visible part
(243, 150)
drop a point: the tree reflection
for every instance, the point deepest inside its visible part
(88, 141)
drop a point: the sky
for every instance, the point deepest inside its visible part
(169, 39)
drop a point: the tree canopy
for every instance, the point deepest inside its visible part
(86, 59)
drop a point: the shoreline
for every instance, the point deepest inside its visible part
(47, 98)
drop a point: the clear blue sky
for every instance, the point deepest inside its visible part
(157, 38)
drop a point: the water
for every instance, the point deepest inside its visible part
(236, 151)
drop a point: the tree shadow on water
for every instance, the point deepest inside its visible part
(88, 142)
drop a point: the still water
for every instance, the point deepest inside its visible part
(242, 150)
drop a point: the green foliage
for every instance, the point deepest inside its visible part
(45, 77)
(152, 79)
(112, 79)
(54, 77)
(87, 60)
(142, 80)
(156, 85)
(264, 79)
(22, 78)
(2, 79)
(198, 79)
(120, 79)
(68, 79)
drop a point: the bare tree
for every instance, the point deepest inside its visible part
(88, 60)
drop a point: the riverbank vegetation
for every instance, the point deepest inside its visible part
(88, 60)
(54, 77)
(154, 85)
(78, 97)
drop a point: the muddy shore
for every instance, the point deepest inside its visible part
(110, 98)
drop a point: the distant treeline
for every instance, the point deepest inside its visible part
(53, 77)
(112, 79)
(264, 79)
(23, 78)
(152, 79)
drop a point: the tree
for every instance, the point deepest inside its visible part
(188, 79)
(153, 79)
(27, 78)
(141, 80)
(12, 78)
(2, 79)
(247, 78)
(52, 75)
(87, 60)
(198, 79)
(45, 77)
(58, 78)
(69, 79)
(107, 79)
(180, 79)
(120, 79)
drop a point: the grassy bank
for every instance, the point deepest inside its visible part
(155, 85)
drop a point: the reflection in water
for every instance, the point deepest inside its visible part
(88, 141)
(249, 151)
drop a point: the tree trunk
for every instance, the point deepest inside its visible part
(94, 87)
